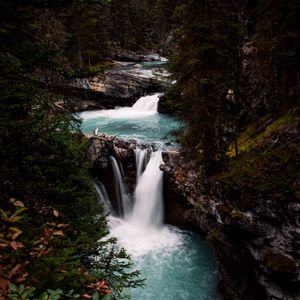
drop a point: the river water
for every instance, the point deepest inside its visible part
(140, 122)
(177, 264)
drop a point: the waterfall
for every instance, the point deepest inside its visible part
(103, 198)
(141, 161)
(148, 195)
(123, 197)
(141, 231)
(147, 104)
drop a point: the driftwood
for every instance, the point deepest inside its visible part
(110, 140)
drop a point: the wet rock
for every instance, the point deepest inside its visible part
(256, 246)
(101, 148)
(109, 90)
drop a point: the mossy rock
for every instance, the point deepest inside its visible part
(213, 235)
(230, 211)
(279, 263)
(268, 171)
(256, 133)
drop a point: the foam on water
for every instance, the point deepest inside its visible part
(139, 242)
(176, 264)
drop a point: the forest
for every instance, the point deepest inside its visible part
(236, 72)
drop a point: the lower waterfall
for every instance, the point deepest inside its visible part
(148, 195)
(123, 196)
(103, 198)
(141, 230)
(141, 161)
(177, 264)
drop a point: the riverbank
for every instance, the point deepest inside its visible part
(121, 85)
(252, 220)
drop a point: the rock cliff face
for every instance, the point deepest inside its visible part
(101, 148)
(126, 85)
(164, 107)
(249, 212)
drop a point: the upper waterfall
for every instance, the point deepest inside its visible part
(147, 103)
(144, 106)
(141, 122)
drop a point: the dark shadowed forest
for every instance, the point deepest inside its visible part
(235, 69)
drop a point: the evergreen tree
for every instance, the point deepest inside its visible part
(163, 18)
(273, 74)
(87, 28)
(122, 26)
(42, 157)
(206, 67)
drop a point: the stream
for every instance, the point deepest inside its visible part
(177, 264)
(140, 122)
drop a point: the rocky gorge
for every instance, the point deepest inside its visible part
(254, 234)
(256, 245)
(150, 150)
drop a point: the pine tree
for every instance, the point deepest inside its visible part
(87, 28)
(42, 156)
(207, 66)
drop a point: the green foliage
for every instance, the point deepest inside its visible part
(131, 24)
(28, 252)
(205, 66)
(87, 36)
(89, 72)
(19, 292)
(233, 65)
(53, 247)
(261, 129)
(268, 164)
(213, 235)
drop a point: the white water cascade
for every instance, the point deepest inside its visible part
(144, 106)
(147, 103)
(175, 264)
(141, 231)
(148, 195)
(123, 196)
(141, 161)
(103, 198)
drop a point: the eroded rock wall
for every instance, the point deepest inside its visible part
(255, 235)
